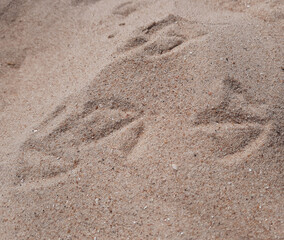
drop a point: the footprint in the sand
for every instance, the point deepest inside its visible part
(78, 2)
(233, 129)
(163, 36)
(54, 147)
(125, 9)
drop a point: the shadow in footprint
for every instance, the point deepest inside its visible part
(55, 148)
(78, 2)
(163, 36)
(125, 9)
(233, 125)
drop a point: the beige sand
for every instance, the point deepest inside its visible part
(141, 119)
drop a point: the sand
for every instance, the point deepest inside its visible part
(141, 119)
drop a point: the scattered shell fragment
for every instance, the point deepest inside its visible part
(175, 167)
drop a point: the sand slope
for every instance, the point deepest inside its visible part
(141, 119)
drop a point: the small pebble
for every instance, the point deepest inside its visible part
(175, 167)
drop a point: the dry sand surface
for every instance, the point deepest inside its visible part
(150, 119)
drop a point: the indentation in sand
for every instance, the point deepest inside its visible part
(125, 9)
(229, 128)
(163, 45)
(163, 36)
(60, 136)
(78, 2)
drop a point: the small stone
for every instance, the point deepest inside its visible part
(175, 167)
(250, 169)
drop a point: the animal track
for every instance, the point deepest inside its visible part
(62, 134)
(231, 126)
(223, 140)
(234, 108)
(156, 26)
(125, 9)
(163, 45)
(135, 42)
(163, 36)
(78, 2)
